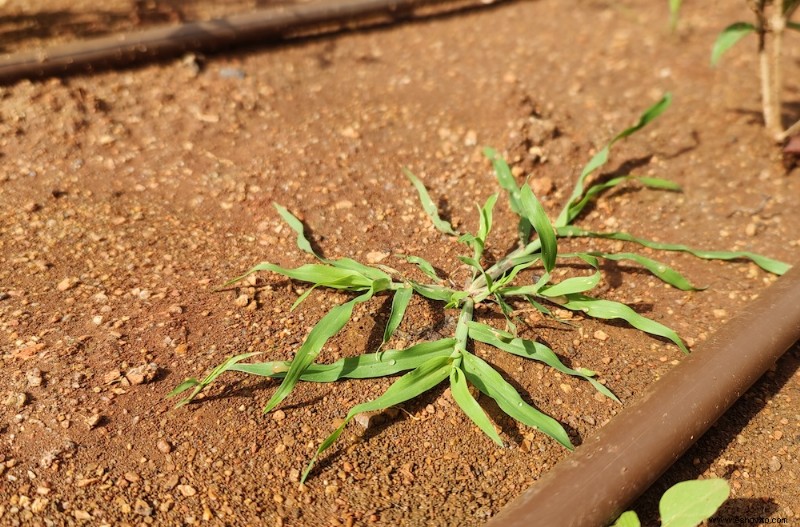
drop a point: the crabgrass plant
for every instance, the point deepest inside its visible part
(449, 359)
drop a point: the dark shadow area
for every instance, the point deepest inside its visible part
(702, 456)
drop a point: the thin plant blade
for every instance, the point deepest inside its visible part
(465, 400)
(327, 327)
(601, 158)
(608, 309)
(199, 385)
(410, 385)
(768, 264)
(366, 366)
(399, 304)
(297, 226)
(423, 265)
(491, 383)
(507, 182)
(428, 205)
(728, 38)
(532, 209)
(689, 503)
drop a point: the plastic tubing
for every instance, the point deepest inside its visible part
(593, 485)
(170, 41)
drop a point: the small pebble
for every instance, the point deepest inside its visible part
(163, 446)
(187, 490)
(278, 415)
(242, 300)
(774, 464)
(34, 377)
(601, 335)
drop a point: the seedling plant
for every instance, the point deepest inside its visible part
(772, 18)
(427, 364)
(685, 504)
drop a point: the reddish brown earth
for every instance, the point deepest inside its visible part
(129, 196)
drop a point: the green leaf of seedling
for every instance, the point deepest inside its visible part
(674, 14)
(399, 304)
(506, 180)
(532, 209)
(608, 309)
(410, 385)
(594, 190)
(302, 297)
(423, 265)
(768, 264)
(455, 299)
(529, 349)
(484, 227)
(198, 386)
(318, 274)
(627, 519)
(601, 158)
(660, 270)
(327, 327)
(429, 206)
(578, 284)
(433, 292)
(491, 383)
(297, 226)
(508, 313)
(366, 366)
(689, 503)
(524, 290)
(464, 399)
(730, 36)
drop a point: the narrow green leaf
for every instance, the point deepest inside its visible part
(658, 183)
(660, 270)
(434, 292)
(578, 284)
(531, 350)
(297, 226)
(318, 274)
(491, 383)
(366, 271)
(730, 36)
(302, 297)
(600, 158)
(423, 265)
(198, 386)
(410, 385)
(327, 327)
(689, 503)
(399, 304)
(428, 205)
(532, 209)
(507, 182)
(366, 366)
(523, 290)
(768, 264)
(674, 14)
(485, 226)
(464, 399)
(608, 309)
(627, 519)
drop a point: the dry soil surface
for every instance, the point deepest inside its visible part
(129, 196)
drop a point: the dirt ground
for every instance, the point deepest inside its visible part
(129, 196)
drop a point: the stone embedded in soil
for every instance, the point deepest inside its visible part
(774, 464)
(142, 508)
(142, 374)
(187, 490)
(242, 301)
(374, 257)
(163, 446)
(34, 377)
(67, 283)
(93, 420)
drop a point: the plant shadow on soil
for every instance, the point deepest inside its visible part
(713, 444)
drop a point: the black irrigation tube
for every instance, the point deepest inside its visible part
(248, 28)
(593, 485)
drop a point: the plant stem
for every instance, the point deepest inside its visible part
(777, 25)
(504, 265)
(462, 328)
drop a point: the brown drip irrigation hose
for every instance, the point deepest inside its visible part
(595, 484)
(256, 26)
